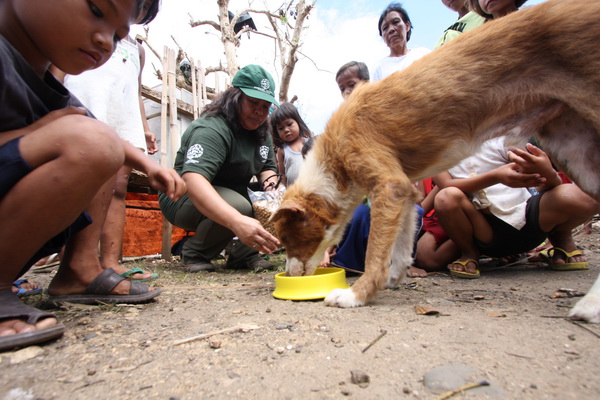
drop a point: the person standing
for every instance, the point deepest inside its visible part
(395, 28)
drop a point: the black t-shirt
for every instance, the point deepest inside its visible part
(24, 96)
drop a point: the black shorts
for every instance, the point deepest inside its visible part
(508, 240)
(14, 168)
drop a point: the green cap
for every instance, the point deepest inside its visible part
(256, 82)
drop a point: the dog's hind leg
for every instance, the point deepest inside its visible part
(588, 308)
(391, 200)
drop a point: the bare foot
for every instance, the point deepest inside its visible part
(14, 326)
(414, 272)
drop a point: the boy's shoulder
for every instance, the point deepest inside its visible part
(31, 97)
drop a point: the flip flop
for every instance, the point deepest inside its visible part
(464, 274)
(12, 308)
(24, 292)
(99, 291)
(133, 271)
(566, 266)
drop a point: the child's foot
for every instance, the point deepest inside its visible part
(22, 325)
(464, 268)
(414, 272)
(563, 260)
(134, 274)
(106, 287)
(23, 287)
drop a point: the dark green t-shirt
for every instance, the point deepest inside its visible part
(227, 159)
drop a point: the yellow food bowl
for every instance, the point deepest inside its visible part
(310, 287)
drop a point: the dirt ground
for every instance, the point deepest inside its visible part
(508, 327)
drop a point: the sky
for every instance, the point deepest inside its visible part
(337, 31)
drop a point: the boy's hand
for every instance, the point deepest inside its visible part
(167, 181)
(535, 161)
(511, 176)
(151, 145)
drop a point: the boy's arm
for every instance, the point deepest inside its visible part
(162, 179)
(509, 175)
(7, 136)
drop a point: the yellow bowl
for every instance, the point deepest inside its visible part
(310, 287)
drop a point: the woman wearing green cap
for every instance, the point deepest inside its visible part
(220, 153)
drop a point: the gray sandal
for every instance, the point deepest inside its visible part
(12, 308)
(99, 291)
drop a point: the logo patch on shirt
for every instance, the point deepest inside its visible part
(264, 152)
(195, 151)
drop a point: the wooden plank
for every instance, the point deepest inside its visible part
(183, 108)
(194, 89)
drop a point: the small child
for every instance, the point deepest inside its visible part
(289, 133)
(350, 75)
(56, 160)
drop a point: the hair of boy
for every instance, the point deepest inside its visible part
(285, 111)
(361, 69)
(227, 105)
(474, 5)
(394, 6)
(151, 13)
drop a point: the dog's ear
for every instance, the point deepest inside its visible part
(290, 210)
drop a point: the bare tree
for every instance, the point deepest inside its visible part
(286, 35)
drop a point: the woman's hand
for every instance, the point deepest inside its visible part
(252, 234)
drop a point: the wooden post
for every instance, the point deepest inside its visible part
(165, 152)
(195, 93)
(202, 80)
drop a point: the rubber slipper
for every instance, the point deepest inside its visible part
(24, 292)
(99, 291)
(133, 271)
(12, 308)
(566, 266)
(464, 274)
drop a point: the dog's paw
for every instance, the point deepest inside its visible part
(587, 309)
(344, 298)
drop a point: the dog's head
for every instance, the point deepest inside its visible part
(305, 226)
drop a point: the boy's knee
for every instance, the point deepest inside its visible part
(447, 198)
(95, 140)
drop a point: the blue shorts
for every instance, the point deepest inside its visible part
(14, 168)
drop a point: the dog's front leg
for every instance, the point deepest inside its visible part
(403, 248)
(391, 201)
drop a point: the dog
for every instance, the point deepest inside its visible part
(535, 72)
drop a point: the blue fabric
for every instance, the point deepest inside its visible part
(352, 249)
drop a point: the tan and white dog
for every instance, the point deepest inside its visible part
(534, 72)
